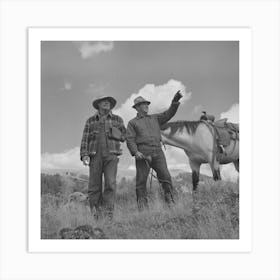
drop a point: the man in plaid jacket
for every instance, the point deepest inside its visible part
(100, 148)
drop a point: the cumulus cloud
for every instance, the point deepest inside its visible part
(90, 49)
(159, 96)
(69, 159)
(232, 114)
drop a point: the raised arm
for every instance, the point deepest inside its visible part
(171, 111)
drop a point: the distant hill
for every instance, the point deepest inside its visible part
(74, 175)
(83, 173)
(64, 171)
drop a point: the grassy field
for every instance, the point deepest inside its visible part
(212, 213)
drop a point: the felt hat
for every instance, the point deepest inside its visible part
(139, 100)
(111, 99)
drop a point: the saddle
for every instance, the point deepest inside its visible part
(225, 131)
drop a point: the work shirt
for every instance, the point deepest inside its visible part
(144, 130)
(96, 134)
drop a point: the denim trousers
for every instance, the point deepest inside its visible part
(99, 165)
(158, 164)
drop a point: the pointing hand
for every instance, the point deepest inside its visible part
(177, 96)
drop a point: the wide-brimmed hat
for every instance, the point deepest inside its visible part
(111, 99)
(139, 100)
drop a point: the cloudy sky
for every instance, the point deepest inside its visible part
(75, 73)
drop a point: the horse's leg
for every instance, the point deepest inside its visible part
(216, 174)
(215, 167)
(236, 165)
(195, 166)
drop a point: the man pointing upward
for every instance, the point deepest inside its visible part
(144, 140)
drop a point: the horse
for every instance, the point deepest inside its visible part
(199, 141)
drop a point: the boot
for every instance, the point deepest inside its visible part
(142, 204)
(98, 214)
(109, 213)
(168, 198)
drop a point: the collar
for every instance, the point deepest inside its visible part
(140, 116)
(98, 116)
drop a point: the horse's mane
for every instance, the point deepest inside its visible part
(191, 126)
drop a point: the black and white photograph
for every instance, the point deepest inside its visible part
(140, 139)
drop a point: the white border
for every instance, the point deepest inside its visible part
(36, 35)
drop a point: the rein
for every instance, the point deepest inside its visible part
(159, 181)
(151, 174)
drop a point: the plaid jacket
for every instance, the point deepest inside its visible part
(89, 141)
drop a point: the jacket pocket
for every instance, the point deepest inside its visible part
(115, 134)
(92, 147)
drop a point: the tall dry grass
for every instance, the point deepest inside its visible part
(212, 213)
